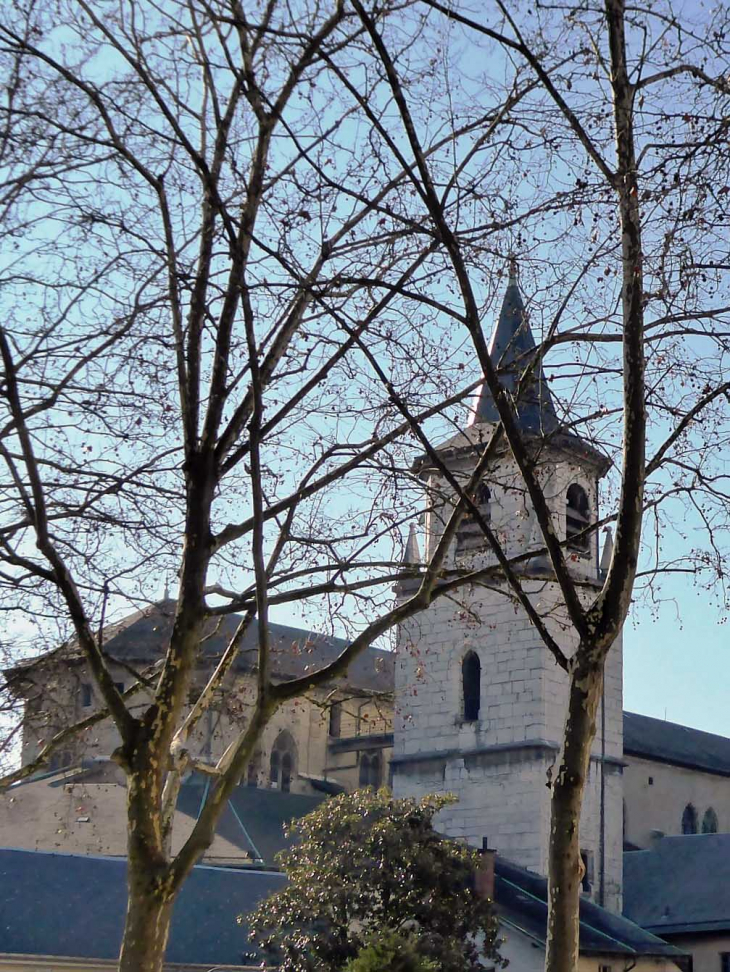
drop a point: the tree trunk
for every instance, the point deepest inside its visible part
(564, 863)
(147, 924)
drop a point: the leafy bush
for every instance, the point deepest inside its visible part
(391, 951)
(365, 863)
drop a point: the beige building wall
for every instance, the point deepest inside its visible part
(84, 818)
(656, 795)
(705, 949)
(301, 726)
(66, 695)
(89, 817)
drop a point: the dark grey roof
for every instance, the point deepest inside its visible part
(83, 899)
(143, 636)
(73, 906)
(668, 742)
(511, 350)
(680, 885)
(521, 898)
(254, 818)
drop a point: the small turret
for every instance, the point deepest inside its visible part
(607, 552)
(412, 555)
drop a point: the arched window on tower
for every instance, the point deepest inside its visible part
(709, 822)
(282, 764)
(469, 534)
(471, 677)
(689, 820)
(577, 518)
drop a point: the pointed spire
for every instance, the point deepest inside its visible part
(166, 592)
(412, 555)
(607, 551)
(511, 349)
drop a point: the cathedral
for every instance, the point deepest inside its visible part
(470, 703)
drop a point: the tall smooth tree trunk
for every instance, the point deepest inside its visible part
(150, 892)
(565, 868)
(147, 924)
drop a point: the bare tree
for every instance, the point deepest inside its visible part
(221, 330)
(239, 240)
(647, 174)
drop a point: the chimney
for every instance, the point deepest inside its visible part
(484, 877)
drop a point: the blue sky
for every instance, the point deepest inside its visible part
(676, 665)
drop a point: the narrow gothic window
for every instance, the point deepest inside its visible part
(85, 694)
(375, 771)
(274, 768)
(370, 770)
(689, 820)
(335, 719)
(60, 760)
(364, 769)
(252, 771)
(470, 534)
(577, 518)
(286, 768)
(709, 822)
(471, 674)
(282, 766)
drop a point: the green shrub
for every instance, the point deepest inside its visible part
(391, 952)
(365, 864)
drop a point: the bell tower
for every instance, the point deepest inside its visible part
(480, 702)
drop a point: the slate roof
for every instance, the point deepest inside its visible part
(521, 898)
(511, 350)
(82, 901)
(681, 885)
(668, 742)
(254, 818)
(143, 635)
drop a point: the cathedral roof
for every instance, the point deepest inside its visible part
(512, 350)
(143, 637)
(669, 742)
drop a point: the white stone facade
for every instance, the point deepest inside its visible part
(498, 765)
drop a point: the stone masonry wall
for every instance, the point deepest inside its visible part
(497, 766)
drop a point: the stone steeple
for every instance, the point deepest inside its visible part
(480, 703)
(512, 350)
